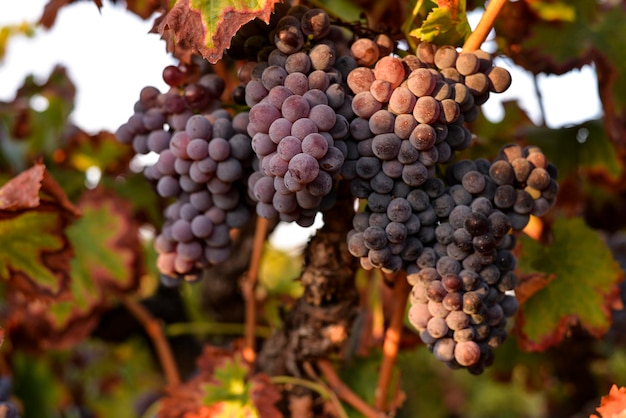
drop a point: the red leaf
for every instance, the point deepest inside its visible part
(612, 405)
(51, 10)
(107, 259)
(191, 28)
(22, 192)
(30, 200)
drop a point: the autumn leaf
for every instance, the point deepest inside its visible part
(222, 388)
(207, 26)
(37, 132)
(581, 285)
(34, 213)
(10, 31)
(101, 150)
(107, 259)
(612, 405)
(22, 192)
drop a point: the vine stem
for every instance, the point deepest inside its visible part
(154, 329)
(478, 36)
(392, 341)
(248, 286)
(344, 392)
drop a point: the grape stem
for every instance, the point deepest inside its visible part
(344, 392)
(478, 36)
(248, 286)
(392, 341)
(154, 329)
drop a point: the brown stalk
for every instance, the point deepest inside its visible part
(154, 329)
(478, 36)
(335, 383)
(392, 341)
(248, 285)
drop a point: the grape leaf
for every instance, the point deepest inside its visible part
(554, 45)
(222, 388)
(583, 288)
(29, 241)
(107, 251)
(9, 31)
(235, 395)
(100, 150)
(446, 24)
(106, 259)
(612, 405)
(207, 26)
(142, 8)
(33, 133)
(22, 192)
(35, 251)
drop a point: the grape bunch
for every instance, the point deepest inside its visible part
(7, 408)
(299, 115)
(319, 104)
(410, 116)
(204, 160)
(459, 301)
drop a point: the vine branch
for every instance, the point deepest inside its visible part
(392, 340)
(248, 286)
(344, 392)
(154, 329)
(478, 36)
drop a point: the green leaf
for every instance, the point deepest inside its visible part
(584, 284)
(26, 240)
(231, 384)
(209, 25)
(278, 272)
(554, 11)
(444, 25)
(36, 131)
(231, 394)
(35, 385)
(346, 10)
(102, 260)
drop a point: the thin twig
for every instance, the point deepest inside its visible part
(213, 328)
(154, 329)
(542, 108)
(392, 341)
(344, 392)
(248, 286)
(478, 36)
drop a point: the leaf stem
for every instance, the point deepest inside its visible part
(154, 329)
(203, 328)
(478, 36)
(392, 341)
(248, 285)
(344, 392)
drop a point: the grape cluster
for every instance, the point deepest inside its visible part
(329, 104)
(7, 408)
(410, 116)
(204, 159)
(299, 115)
(459, 302)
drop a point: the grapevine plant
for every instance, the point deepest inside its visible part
(443, 240)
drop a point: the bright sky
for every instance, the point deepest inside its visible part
(110, 56)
